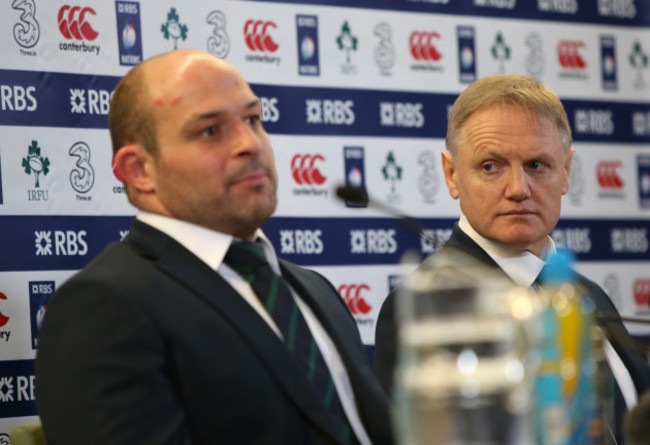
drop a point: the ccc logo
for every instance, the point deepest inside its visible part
(256, 33)
(422, 48)
(568, 54)
(304, 170)
(642, 291)
(351, 293)
(607, 173)
(73, 24)
(3, 318)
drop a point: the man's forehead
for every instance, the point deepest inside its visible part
(195, 82)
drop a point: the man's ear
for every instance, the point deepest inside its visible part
(133, 164)
(449, 168)
(567, 169)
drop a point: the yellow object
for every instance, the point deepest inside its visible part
(28, 434)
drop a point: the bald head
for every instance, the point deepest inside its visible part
(133, 114)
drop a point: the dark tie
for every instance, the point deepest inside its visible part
(249, 261)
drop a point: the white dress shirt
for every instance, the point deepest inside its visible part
(522, 267)
(211, 247)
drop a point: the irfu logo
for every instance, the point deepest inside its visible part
(639, 61)
(500, 52)
(391, 171)
(346, 41)
(35, 163)
(173, 28)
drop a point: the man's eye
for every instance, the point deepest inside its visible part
(536, 165)
(209, 131)
(253, 120)
(489, 167)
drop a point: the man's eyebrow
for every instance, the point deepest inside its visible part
(218, 113)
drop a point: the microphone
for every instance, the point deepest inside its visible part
(358, 196)
(353, 195)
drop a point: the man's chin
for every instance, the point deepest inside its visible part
(519, 237)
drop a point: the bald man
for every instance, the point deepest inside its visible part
(158, 340)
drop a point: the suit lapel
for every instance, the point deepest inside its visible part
(331, 313)
(176, 261)
(461, 241)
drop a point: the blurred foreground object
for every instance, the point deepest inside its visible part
(464, 372)
(573, 382)
(637, 422)
(483, 361)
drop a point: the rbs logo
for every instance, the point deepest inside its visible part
(307, 242)
(378, 241)
(270, 111)
(401, 114)
(576, 239)
(89, 101)
(17, 98)
(590, 121)
(330, 112)
(64, 243)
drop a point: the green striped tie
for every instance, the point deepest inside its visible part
(249, 261)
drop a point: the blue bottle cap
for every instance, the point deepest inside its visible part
(559, 268)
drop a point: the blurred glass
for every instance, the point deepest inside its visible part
(464, 356)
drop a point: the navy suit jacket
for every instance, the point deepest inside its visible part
(148, 345)
(386, 335)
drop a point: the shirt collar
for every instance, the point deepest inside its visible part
(522, 267)
(208, 245)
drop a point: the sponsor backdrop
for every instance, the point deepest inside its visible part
(352, 95)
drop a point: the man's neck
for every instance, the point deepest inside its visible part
(501, 249)
(520, 265)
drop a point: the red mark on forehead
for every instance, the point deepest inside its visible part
(177, 100)
(159, 103)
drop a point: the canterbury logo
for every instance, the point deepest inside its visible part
(3, 319)
(422, 48)
(607, 174)
(351, 293)
(304, 170)
(257, 37)
(642, 291)
(73, 24)
(568, 54)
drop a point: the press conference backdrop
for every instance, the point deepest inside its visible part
(354, 92)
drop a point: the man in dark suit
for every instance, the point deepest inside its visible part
(158, 340)
(508, 161)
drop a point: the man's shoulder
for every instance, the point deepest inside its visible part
(118, 265)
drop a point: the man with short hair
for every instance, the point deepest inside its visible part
(508, 162)
(191, 330)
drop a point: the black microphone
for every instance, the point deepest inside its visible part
(359, 196)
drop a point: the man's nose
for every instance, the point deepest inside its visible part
(246, 141)
(518, 186)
